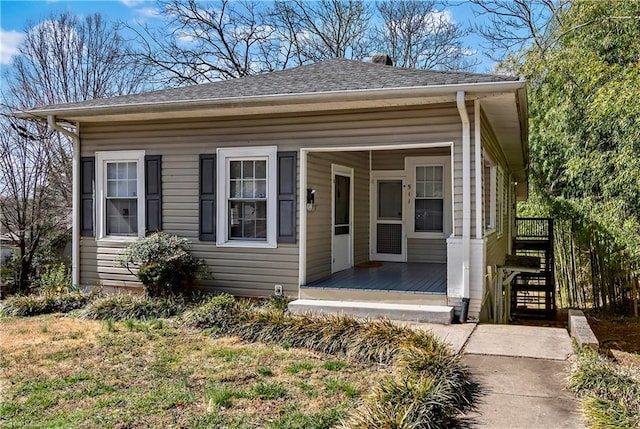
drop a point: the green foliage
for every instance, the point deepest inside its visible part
(610, 392)
(432, 386)
(584, 129)
(56, 278)
(130, 307)
(215, 312)
(220, 396)
(33, 305)
(163, 262)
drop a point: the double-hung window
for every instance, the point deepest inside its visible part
(120, 194)
(429, 203)
(429, 196)
(247, 197)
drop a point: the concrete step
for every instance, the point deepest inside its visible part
(369, 295)
(408, 312)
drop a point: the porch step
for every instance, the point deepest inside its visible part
(408, 312)
(370, 295)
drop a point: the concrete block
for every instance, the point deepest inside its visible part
(373, 310)
(581, 331)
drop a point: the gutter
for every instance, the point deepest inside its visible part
(280, 99)
(75, 228)
(466, 200)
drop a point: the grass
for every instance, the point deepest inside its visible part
(225, 363)
(610, 393)
(144, 374)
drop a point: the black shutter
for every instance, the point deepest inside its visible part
(207, 198)
(153, 192)
(287, 197)
(87, 177)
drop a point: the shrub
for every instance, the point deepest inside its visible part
(56, 279)
(125, 306)
(163, 263)
(33, 305)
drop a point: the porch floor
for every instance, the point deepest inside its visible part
(390, 276)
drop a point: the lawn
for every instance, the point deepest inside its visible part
(61, 371)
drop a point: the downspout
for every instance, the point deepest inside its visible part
(478, 164)
(466, 202)
(75, 197)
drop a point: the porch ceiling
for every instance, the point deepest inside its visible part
(507, 113)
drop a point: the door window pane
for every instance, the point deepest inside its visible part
(341, 204)
(390, 199)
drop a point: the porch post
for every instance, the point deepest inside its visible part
(466, 192)
(302, 240)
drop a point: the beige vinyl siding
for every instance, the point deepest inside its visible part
(427, 250)
(253, 272)
(319, 221)
(394, 160)
(497, 244)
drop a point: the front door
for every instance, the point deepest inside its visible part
(388, 226)
(342, 218)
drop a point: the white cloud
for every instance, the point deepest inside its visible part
(9, 42)
(148, 12)
(132, 3)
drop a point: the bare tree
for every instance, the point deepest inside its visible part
(514, 25)
(31, 210)
(325, 29)
(62, 59)
(66, 59)
(203, 42)
(418, 35)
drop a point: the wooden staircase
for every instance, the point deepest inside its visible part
(533, 294)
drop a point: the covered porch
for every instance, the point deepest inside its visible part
(418, 278)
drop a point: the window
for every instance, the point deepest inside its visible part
(500, 203)
(429, 215)
(489, 183)
(247, 197)
(120, 190)
(429, 204)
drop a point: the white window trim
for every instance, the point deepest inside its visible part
(491, 228)
(224, 155)
(447, 189)
(101, 214)
(500, 208)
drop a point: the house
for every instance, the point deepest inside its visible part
(296, 180)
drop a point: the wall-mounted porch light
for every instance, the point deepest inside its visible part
(311, 200)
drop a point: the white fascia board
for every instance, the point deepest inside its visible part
(271, 99)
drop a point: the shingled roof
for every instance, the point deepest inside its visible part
(334, 75)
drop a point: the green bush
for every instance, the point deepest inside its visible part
(33, 305)
(126, 306)
(162, 263)
(55, 279)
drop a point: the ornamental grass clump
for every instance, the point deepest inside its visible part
(610, 392)
(33, 305)
(163, 263)
(126, 306)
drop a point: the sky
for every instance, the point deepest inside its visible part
(16, 16)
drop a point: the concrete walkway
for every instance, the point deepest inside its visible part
(520, 371)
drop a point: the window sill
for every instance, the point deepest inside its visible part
(248, 244)
(489, 232)
(427, 235)
(118, 239)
